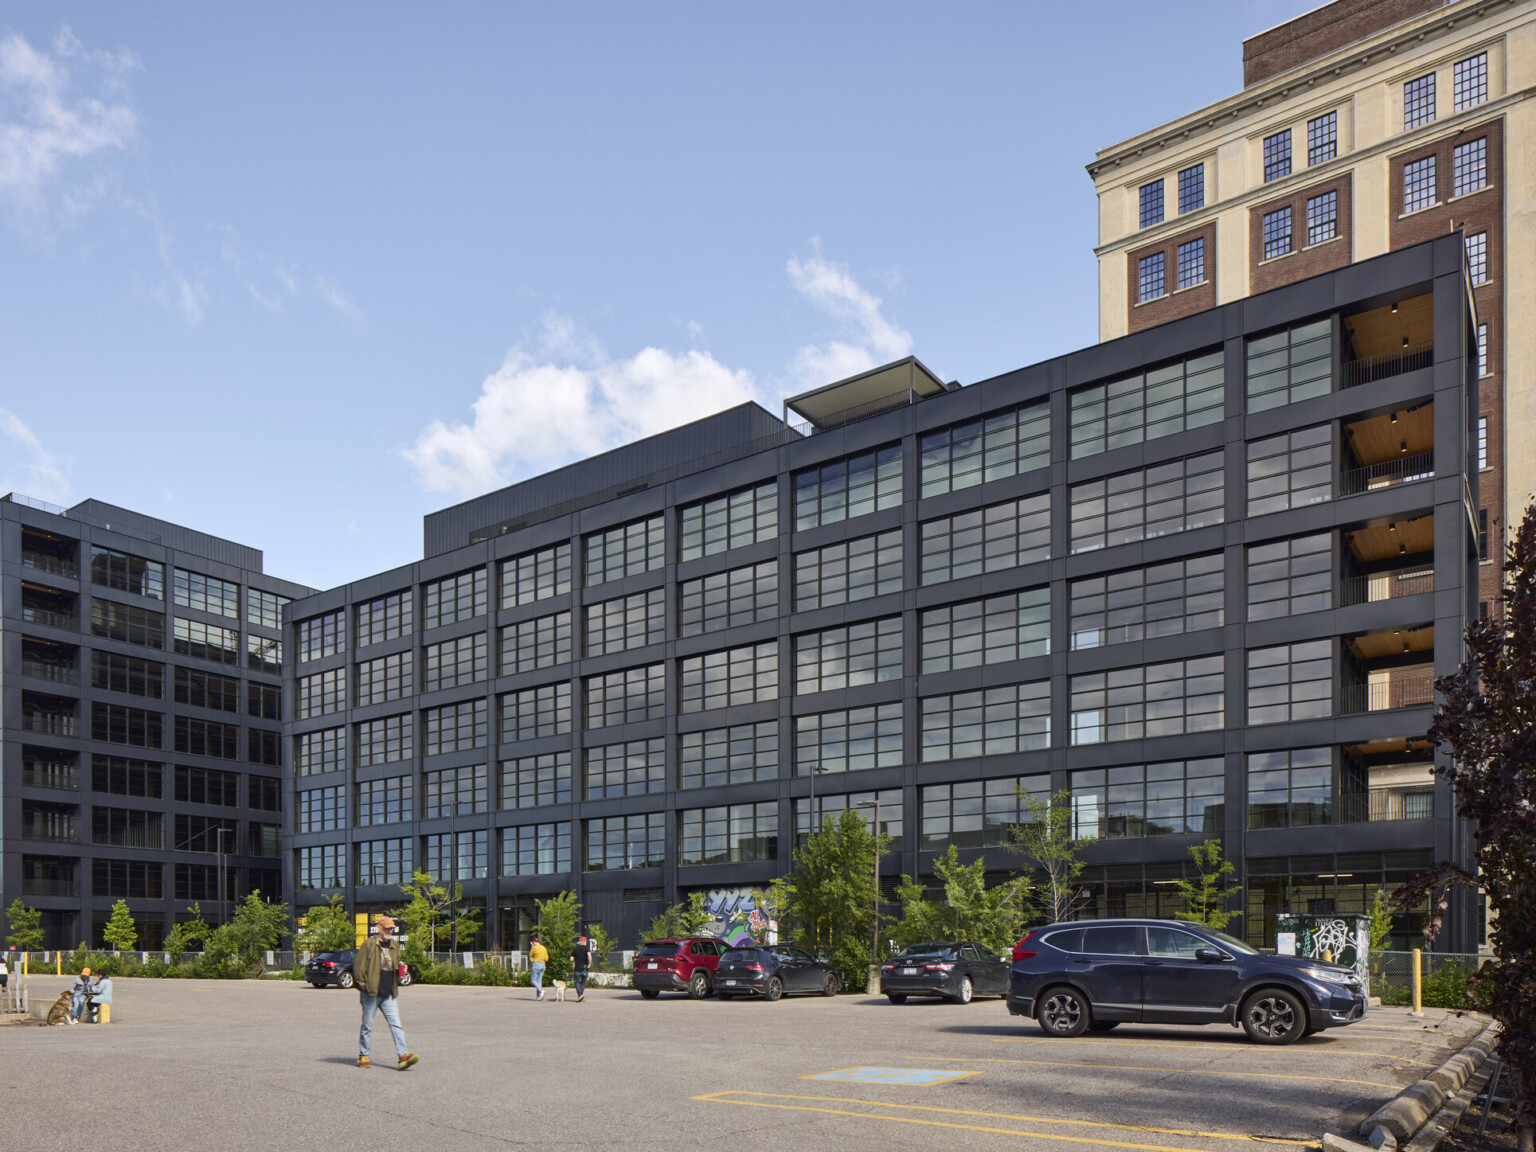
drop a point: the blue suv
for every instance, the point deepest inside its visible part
(1088, 977)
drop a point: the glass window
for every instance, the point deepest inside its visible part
(1191, 188)
(1284, 367)
(454, 727)
(627, 696)
(127, 623)
(206, 834)
(127, 573)
(986, 539)
(121, 776)
(1290, 577)
(1482, 442)
(385, 678)
(989, 722)
(321, 693)
(1175, 497)
(1141, 603)
(847, 571)
(1175, 797)
(843, 489)
(455, 598)
(849, 740)
(263, 747)
(384, 801)
(1322, 217)
(264, 608)
(384, 618)
(739, 754)
(532, 713)
(1291, 470)
(879, 810)
(127, 828)
(627, 622)
(1169, 699)
(319, 810)
(730, 678)
(1419, 184)
(1179, 396)
(1277, 155)
(1469, 166)
(456, 856)
(1290, 789)
(847, 656)
(746, 516)
(263, 654)
(324, 866)
(454, 791)
(726, 599)
(989, 448)
(382, 862)
(121, 725)
(625, 550)
(619, 842)
(977, 813)
(629, 769)
(1014, 626)
(321, 636)
(1482, 349)
(384, 741)
(1277, 232)
(207, 690)
(205, 641)
(207, 786)
(1418, 101)
(533, 781)
(1151, 197)
(207, 738)
(541, 642)
(206, 593)
(264, 701)
(1322, 138)
(1477, 257)
(1192, 263)
(536, 849)
(536, 575)
(1149, 278)
(729, 835)
(127, 879)
(1290, 682)
(323, 751)
(127, 674)
(1469, 81)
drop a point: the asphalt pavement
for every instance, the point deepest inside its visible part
(197, 1065)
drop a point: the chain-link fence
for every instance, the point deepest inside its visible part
(1443, 975)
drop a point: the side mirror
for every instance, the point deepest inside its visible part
(1210, 955)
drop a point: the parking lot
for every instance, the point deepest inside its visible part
(259, 1065)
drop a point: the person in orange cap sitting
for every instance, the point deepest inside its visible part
(378, 969)
(80, 993)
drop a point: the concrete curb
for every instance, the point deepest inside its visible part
(1399, 1118)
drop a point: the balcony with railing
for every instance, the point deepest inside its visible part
(45, 552)
(1389, 585)
(42, 771)
(1388, 449)
(1383, 365)
(1388, 779)
(50, 884)
(1388, 341)
(1407, 687)
(45, 660)
(53, 822)
(1388, 669)
(47, 606)
(1387, 474)
(49, 715)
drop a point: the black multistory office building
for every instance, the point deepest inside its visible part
(140, 719)
(1200, 577)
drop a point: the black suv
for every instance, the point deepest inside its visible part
(1080, 977)
(330, 968)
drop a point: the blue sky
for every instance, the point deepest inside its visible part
(299, 274)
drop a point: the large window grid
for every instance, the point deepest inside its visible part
(627, 622)
(127, 674)
(615, 843)
(384, 678)
(207, 738)
(127, 623)
(1179, 496)
(1158, 402)
(263, 654)
(384, 618)
(1477, 257)
(1418, 101)
(263, 701)
(1151, 197)
(990, 448)
(320, 809)
(455, 598)
(385, 741)
(1191, 263)
(746, 516)
(323, 866)
(625, 550)
(536, 575)
(322, 693)
(456, 663)
(126, 573)
(1277, 232)
(454, 727)
(120, 776)
(1291, 470)
(849, 655)
(207, 690)
(880, 811)
(1290, 682)
(1469, 81)
(1171, 798)
(1284, 367)
(382, 862)
(1191, 188)
(205, 593)
(205, 641)
(1292, 789)
(989, 539)
(1322, 217)
(629, 769)
(1322, 138)
(127, 828)
(457, 791)
(263, 747)
(627, 696)
(988, 722)
(323, 751)
(1171, 699)
(732, 834)
(322, 636)
(536, 849)
(740, 754)
(1142, 603)
(849, 740)
(726, 599)
(264, 608)
(977, 813)
(542, 642)
(731, 678)
(454, 856)
(1150, 280)
(848, 571)
(532, 713)
(844, 489)
(1290, 577)
(1014, 626)
(389, 801)
(1277, 155)
(127, 879)
(1419, 184)
(207, 786)
(1469, 166)
(534, 781)
(117, 724)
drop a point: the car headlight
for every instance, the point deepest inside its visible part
(1332, 975)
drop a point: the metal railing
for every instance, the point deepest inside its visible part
(1407, 688)
(48, 723)
(47, 616)
(49, 830)
(45, 886)
(1382, 804)
(33, 502)
(1387, 473)
(1387, 585)
(44, 670)
(43, 562)
(1386, 364)
(51, 776)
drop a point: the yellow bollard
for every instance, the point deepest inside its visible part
(106, 1013)
(1418, 983)
(58, 964)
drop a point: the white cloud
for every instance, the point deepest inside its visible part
(871, 339)
(29, 467)
(566, 398)
(60, 114)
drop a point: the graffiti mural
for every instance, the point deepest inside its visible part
(736, 915)
(1344, 939)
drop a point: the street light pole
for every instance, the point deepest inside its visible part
(874, 829)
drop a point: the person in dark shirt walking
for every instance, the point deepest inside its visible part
(581, 961)
(377, 968)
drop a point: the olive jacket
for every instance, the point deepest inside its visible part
(370, 961)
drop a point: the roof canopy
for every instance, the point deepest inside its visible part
(890, 386)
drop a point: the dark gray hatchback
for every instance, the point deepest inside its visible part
(1074, 978)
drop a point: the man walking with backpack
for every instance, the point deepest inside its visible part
(378, 969)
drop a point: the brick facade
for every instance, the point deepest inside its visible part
(1304, 259)
(1322, 31)
(1174, 303)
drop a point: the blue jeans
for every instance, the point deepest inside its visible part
(536, 977)
(390, 1006)
(77, 1004)
(581, 981)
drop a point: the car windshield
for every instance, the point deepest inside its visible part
(1231, 942)
(921, 951)
(666, 948)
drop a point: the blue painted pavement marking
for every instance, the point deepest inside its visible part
(914, 1077)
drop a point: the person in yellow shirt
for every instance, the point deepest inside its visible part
(538, 956)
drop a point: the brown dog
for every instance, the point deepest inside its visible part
(60, 1012)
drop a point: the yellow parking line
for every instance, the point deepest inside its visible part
(1212, 1046)
(715, 1097)
(945, 1124)
(1139, 1068)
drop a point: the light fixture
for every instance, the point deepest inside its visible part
(1405, 341)
(1402, 549)
(1394, 417)
(1394, 307)
(1403, 451)
(1405, 646)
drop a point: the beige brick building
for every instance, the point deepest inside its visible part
(1363, 126)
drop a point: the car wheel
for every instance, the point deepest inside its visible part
(774, 988)
(829, 988)
(1103, 1025)
(698, 986)
(967, 990)
(407, 980)
(1063, 1012)
(896, 997)
(1274, 1016)
(650, 993)
(344, 980)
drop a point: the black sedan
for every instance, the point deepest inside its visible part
(951, 970)
(771, 971)
(330, 968)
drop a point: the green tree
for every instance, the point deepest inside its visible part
(773, 903)
(992, 917)
(326, 928)
(1048, 839)
(601, 944)
(187, 935)
(26, 927)
(834, 905)
(1205, 897)
(235, 949)
(1381, 921)
(120, 932)
(558, 917)
(433, 915)
(688, 918)
(1487, 723)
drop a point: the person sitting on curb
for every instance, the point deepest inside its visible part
(80, 994)
(102, 995)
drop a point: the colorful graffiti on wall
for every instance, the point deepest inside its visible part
(736, 916)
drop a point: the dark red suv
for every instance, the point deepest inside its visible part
(678, 966)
